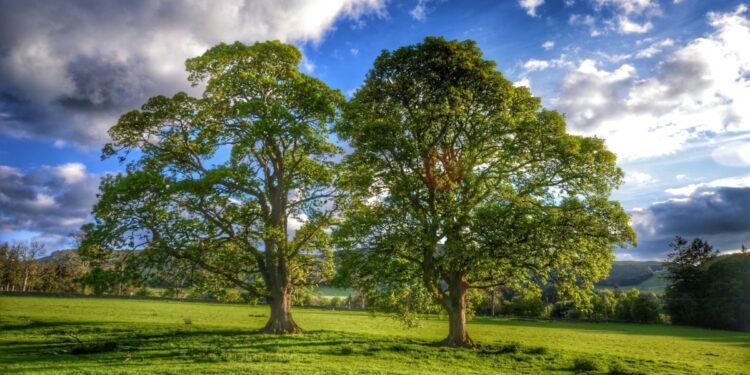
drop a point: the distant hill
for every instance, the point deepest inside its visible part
(646, 276)
(59, 256)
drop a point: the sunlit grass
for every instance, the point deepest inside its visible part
(142, 336)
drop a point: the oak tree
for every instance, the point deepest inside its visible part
(235, 184)
(461, 180)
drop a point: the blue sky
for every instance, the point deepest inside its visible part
(665, 83)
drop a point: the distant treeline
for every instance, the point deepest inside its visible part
(704, 289)
(22, 270)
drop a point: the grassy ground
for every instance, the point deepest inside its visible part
(88, 335)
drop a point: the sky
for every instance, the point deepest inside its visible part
(665, 83)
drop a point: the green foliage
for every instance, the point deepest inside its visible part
(526, 304)
(645, 309)
(685, 268)
(460, 180)
(727, 284)
(705, 289)
(213, 183)
(102, 281)
(585, 365)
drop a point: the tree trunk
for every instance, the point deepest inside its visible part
(280, 321)
(492, 306)
(25, 280)
(455, 303)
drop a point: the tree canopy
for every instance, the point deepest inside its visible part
(461, 180)
(236, 183)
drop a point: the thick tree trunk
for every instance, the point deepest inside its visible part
(280, 321)
(455, 304)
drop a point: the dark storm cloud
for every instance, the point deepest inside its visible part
(68, 69)
(718, 215)
(53, 201)
(100, 85)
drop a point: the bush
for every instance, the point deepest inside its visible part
(645, 309)
(336, 302)
(536, 350)
(585, 365)
(511, 347)
(526, 304)
(347, 349)
(619, 369)
(230, 296)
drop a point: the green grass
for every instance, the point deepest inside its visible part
(144, 336)
(656, 284)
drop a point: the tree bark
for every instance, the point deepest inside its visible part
(280, 301)
(454, 303)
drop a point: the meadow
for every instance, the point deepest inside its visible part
(99, 335)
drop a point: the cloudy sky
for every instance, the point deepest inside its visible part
(665, 83)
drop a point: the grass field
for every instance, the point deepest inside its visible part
(89, 335)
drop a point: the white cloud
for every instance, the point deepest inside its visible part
(49, 201)
(587, 20)
(530, 6)
(681, 177)
(548, 45)
(735, 154)
(731, 182)
(73, 67)
(630, 6)
(523, 82)
(307, 65)
(354, 51)
(533, 65)
(699, 91)
(419, 12)
(71, 173)
(655, 48)
(626, 26)
(620, 16)
(639, 178)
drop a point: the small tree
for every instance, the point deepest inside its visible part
(686, 266)
(461, 180)
(220, 183)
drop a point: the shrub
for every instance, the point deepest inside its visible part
(230, 296)
(526, 304)
(619, 369)
(585, 365)
(347, 349)
(511, 347)
(645, 309)
(536, 350)
(336, 301)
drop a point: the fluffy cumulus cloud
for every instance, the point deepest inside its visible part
(700, 90)
(639, 178)
(530, 6)
(69, 69)
(52, 201)
(419, 12)
(620, 16)
(718, 215)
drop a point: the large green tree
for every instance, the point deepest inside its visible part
(235, 184)
(461, 180)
